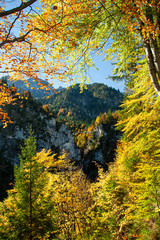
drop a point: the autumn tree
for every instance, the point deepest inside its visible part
(127, 197)
(30, 40)
(72, 199)
(59, 37)
(28, 212)
(143, 17)
(87, 27)
(139, 151)
(20, 56)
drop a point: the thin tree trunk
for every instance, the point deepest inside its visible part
(152, 68)
(156, 55)
(152, 53)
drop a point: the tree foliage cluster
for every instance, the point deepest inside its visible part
(129, 193)
(57, 38)
(55, 35)
(28, 212)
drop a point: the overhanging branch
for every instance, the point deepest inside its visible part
(17, 9)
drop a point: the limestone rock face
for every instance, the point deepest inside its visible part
(57, 140)
(49, 133)
(100, 149)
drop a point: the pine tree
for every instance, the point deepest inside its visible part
(28, 212)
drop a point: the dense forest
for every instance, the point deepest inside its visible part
(51, 196)
(100, 136)
(78, 108)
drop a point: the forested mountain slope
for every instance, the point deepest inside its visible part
(99, 145)
(74, 106)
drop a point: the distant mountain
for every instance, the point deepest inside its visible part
(38, 88)
(72, 106)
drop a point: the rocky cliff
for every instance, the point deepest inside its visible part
(104, 150)
(49, 135)
(98, 143)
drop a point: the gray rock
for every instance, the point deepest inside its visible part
(49, 134)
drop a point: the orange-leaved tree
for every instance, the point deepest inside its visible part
(56, 38)
(11, 18)
(30, 37)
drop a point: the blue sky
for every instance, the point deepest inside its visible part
(101, 75)
(96, 76)
(104, 71)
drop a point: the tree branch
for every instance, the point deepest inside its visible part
(17, 9)
(17, 39)
(12, 25)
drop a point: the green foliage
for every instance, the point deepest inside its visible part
(29, 149)
(28, 212)
(81, 108)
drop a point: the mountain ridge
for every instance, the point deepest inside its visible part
(38, 88)
(72, 106)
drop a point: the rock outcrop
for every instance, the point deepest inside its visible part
(100, 149)
(49, 134)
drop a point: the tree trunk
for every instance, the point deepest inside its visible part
(152, 50)
(156, 55)
(153, 65)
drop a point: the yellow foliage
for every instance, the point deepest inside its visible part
(72, 199)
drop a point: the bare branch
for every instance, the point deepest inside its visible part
(13, 25)
(17, 39)
(17, 9)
